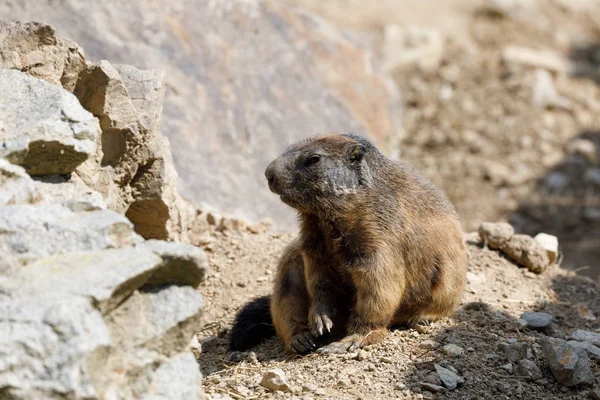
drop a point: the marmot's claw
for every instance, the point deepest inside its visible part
(319, 324)
(339, 347)
(303, 343)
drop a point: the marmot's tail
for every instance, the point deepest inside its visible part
(252, 324)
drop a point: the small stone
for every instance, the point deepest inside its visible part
(495, 234)
(516, 351)
(527, 252)
(545, 94)
(309, 387)
(399, 386)
(529, 370)
(275, 379)
(448, 378)
(586, 336)
(433, 378)
(538, 321)
(386, 360)
(452, 350)
(294, 389)
(361, 355)
(592, 351)
(508, 368)
(584, 148)
(569, 364)
(320, 392)
(344, 382)
(584, 312)
(421, 329)
(550, 244)
(432, 388)
(429, 344)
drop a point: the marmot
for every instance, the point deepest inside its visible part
(379, 246)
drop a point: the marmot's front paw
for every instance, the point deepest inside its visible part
(319, 322)
(303, 343)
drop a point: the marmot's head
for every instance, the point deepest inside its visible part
(322, 172)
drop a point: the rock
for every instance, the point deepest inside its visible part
(161, 320)
(592, 351)
(309, 387)
(45, 129)
(39, 231)
(107, 277)
(545, 94)
(16, 187)
(569, 364)
(538, 321)
(592, 175)
(387, 360)
(545, 59)
(50, 346)
(528, 370)
(495, 234)
(508, 368)
(362, 355)
(452, 350)
(429, 344)
(449, 378)
(584, 148)
(34, 47)
(223, 108)
(586, 336)
(182, 264)
(527, 252)
(432, 388)
(275, 379)
(584, 312)
(550, 244)
(178, 378)
(407, 46)
(433, 378)
(516, 351)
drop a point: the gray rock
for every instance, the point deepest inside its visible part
(432, 387)
(527, 252)
(49, 346)
(545, 94)
(528, 370)
(45, 129)
(39, 231)
(182, 264)
(275, 379)
(107, 277)
(538, 321)
(452, 350)
(516, 351)
(586, 336)
(495, 234)
(592, 351)
(508, 368)
(449, 378)
(178, 378)
(162, 320)
(569, 364)
(16, 187)
(225, 111)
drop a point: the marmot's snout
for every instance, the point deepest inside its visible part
(272, 173)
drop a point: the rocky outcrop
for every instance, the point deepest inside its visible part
(246, 79)
(131, 165)
(88, 308)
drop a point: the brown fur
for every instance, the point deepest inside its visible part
(379, 245)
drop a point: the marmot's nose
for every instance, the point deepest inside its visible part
(270, 174)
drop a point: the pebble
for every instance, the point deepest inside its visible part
(508, 368)
(400, 386)
(545, 94)
(320, 392)
(592, 351)
(550, 244)
(452, 350)
(569, 364)
(538, 321)
(449, 378)
(429, 344)
(529, 370)
(386, 360)
(309, 387)
(275, 379)
(516, 351)
(527, 252)
(361, 355)
(586, 336)
(433, 378)
(432, 388)
(495, 234)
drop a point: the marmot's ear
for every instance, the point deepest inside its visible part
(357, 152)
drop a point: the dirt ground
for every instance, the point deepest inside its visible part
(498, 292)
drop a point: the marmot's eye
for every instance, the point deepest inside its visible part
(312, 160)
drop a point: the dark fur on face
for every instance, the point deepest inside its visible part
(323, 173)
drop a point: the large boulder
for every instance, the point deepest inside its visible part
(246, 79)
(43, 127)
